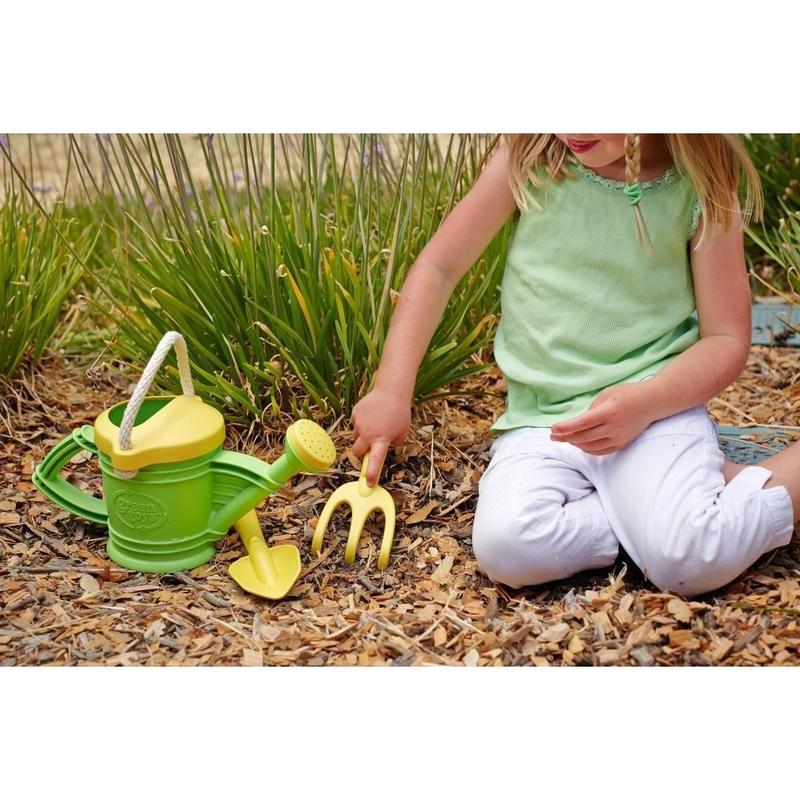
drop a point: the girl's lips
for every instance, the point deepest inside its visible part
(581, 147)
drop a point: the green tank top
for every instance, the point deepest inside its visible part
(583, 307)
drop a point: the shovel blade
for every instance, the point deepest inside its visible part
(286, 558)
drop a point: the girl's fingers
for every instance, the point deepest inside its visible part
(584, 437)
(599, 447)
(591, 441)
(376, 455)
(360, 447)
(602, 452)
(583, 422)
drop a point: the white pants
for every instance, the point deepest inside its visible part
(547, 510)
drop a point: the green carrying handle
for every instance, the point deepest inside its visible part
(47, 477)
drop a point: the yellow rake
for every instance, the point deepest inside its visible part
(363, 499)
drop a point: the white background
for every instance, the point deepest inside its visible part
(401, 66)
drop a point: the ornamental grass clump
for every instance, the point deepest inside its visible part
(280, 261)
(40, 263)
(776, 156)
(782, 246)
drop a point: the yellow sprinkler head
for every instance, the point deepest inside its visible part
(311, 444)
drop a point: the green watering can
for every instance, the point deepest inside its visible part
(170, 490)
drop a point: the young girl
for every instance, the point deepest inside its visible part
(605, 439)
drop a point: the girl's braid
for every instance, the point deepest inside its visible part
(633, 157)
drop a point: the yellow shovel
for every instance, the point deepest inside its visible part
(271, 571)
(363, 499)
(266, 571)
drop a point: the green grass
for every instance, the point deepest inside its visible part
(282, 273)
(40, 263)
(277, 256)
(782, 246)
(776, 156)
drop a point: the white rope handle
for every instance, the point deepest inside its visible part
(140, 392)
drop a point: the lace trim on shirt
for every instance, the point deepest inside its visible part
(669, 177)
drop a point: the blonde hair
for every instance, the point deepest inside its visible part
(715, 163)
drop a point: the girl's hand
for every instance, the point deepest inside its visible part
(615, 418)
(379, 418)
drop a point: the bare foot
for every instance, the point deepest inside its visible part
(730, 469)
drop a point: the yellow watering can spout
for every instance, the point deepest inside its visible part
(241, 482)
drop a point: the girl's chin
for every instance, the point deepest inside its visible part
(594, 163)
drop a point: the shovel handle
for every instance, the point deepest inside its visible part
(249, 531)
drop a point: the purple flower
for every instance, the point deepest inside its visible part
(378, 151)
(42, 189)
(5, 142)
(237, 176)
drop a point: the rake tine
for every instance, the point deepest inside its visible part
(356, 528)
(388, 537)
(334, 501)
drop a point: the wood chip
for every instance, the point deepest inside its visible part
(422, 514)
(252, 658)
(89, 584)
(442, 572)
(679, 610)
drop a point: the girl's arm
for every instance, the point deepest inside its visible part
(383, 416)
(722, 293)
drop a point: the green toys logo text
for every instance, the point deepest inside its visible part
(140, 511)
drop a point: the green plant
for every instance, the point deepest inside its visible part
(782, 246)
(40, 256)
(281, 262)
(776, 156)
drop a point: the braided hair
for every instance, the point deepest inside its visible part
(633, 189)
(715, 164)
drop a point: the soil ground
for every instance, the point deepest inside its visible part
(62, 601)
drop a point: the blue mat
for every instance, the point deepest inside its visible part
(750, 445)
(769, 327)
(769, 324)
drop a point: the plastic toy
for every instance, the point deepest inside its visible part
(266, 571)
(170, 490)
(363, 499)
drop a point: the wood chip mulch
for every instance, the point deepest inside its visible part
(62, 601)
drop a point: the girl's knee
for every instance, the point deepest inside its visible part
(691, 555)
(508, 553)
(685, 576)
